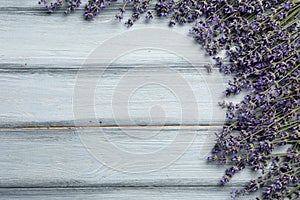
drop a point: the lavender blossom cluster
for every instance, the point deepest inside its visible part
(258, 43)
(53, 6)
(92, 8)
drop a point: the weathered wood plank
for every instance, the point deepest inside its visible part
(45, 98)
(165, 193)
(59, 41)
(58, 158)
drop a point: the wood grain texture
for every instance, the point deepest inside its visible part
(58, 41)
(165, 193)
(45, 98)
(58, 158)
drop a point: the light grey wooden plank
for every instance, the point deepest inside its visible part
(185, 193)
(58, 158)
(60, 41)
(45, 98)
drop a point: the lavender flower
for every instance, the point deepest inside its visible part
(92, 8)
(42, 2)
(138, 8)
(72, 5)
(51, 7)
(149, 15)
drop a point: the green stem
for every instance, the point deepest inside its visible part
(291, 12)
(278, 120)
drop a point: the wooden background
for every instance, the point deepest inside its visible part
(41, 153)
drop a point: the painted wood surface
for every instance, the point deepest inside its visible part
(45, 158)
(36, 40)
(136, 193)
(44, 98)
(54, 158)
(42, 153)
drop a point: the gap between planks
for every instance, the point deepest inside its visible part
(123, 187)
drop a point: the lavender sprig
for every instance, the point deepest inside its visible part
(72, 6)
(92, 8)
(51, 7)
(138, 8)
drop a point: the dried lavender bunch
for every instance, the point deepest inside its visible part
(93, 7)
(262, 52)
(261, 44)
(180, 11)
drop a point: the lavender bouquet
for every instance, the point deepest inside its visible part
(257, 42)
